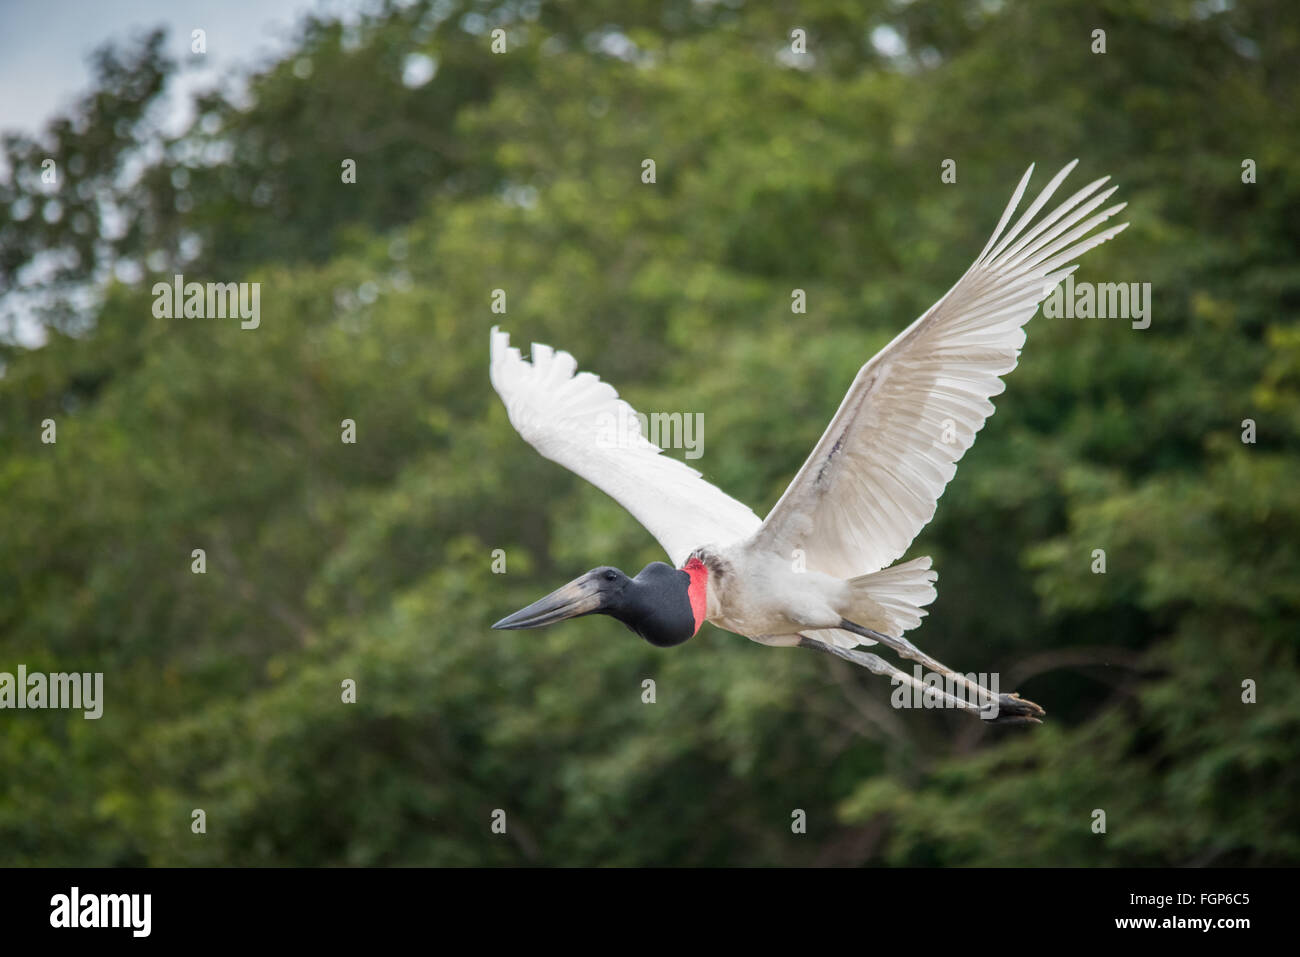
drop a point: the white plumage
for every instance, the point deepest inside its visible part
(873, 480)
(914, 409)
(578, 421)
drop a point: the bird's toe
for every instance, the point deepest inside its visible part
(1013, 709)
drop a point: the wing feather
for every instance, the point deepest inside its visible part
(875, 477)
(578, 421)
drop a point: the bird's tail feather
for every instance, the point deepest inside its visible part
(893, 599)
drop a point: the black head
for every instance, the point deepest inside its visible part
(655, 604)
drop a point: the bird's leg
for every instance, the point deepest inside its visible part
(879, 666)
(1010, 705)
(908, 650)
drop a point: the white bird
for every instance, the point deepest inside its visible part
(818, 572)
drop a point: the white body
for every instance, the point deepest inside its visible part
(767, 598)
(824, 552)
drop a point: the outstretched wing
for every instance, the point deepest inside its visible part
(874, 479)
(580, 422)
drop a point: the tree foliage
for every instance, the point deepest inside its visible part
(521, 171)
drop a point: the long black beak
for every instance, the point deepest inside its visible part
(580, 597)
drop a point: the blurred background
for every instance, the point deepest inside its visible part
(521, 171)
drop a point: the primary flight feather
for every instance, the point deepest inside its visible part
(817, 571)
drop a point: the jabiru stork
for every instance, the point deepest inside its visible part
(818, 572)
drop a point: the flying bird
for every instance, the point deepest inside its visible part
(819, 571)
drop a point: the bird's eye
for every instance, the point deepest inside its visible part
(610, 576)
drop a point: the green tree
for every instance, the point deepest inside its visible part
(373, 562)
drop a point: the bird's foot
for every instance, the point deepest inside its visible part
(1013, 709)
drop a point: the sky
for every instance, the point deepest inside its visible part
(45, 44)
(45, 48)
